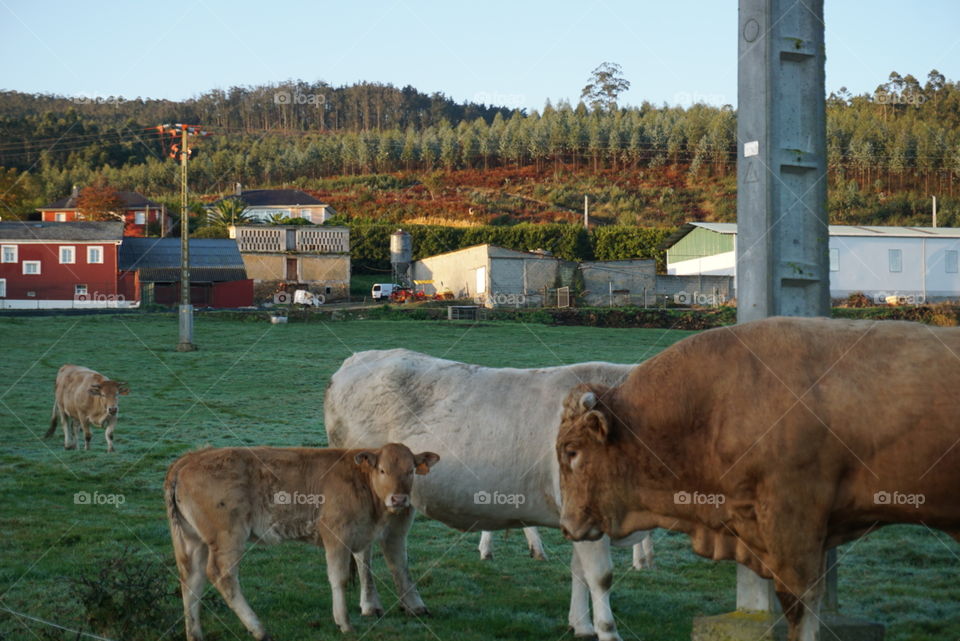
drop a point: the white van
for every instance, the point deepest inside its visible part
(382, 291)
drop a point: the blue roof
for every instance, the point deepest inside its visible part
(152, 253)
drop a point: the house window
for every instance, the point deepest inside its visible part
(834, 260)
(3, 287)
(139, 218)
(895, 258)
(306, 214)
(80, 290)
(31, 267)
(67, 254)
(95, 254)
(60, 217)
(9, 253)
(950, 261)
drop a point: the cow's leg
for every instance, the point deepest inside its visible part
(394, 546)
(191, 556)
(223, 571)
(579, 617)
(69, 428)
(108, 434)
(370, 605)
(643, 554)
(598, 573)
(486, 545)
(534, 543)
(338, 572)
(87, 434)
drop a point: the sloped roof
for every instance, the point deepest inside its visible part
(866, 231)
(496, 251)
(130, 200)
(274, 198)
(78, 231)
(158, 259)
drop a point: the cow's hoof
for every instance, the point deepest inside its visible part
(538, 556)
(587, 636)
(486, 557)
(376, 612)
(346, 629)
(418, 612)
(69, 447)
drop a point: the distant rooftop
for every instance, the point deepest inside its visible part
(275, 198)
(869, 231)
(158, 259)
(130, 200)
(36, 230)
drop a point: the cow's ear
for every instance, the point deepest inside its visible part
(370, 458)
(94, 390)
(588, 401)
(596, 424)
(424, 461)
(123, 388)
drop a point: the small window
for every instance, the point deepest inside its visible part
(950, 261)
(834, 260)
(3, 287)
(67, 254)
(895, 258)
(31, 267)
(60, 218)
(139, 218)
(80, 289)
(95, 254)
(9, 254)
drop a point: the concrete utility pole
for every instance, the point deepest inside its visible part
(185, 343)
(782, 239)
(586, 212)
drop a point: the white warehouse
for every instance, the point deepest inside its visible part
(913, 263)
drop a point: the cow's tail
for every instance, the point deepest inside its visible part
(174, 515)
(54, 416)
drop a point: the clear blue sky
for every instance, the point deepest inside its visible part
(517, 53)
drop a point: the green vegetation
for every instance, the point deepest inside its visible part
(256, 383)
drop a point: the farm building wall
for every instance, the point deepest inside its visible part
(696, 290)
(619, 282)
(464, 272)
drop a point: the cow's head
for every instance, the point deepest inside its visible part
(108, 392)
(391, 470)
(584, 453)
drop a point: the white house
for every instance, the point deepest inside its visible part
(913, 263)
(263, 204)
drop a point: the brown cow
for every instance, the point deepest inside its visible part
(84, 397)
(770, 443)
(218, 499)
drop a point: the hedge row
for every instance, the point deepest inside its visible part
(370, 242)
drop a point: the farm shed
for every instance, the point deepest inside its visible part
(493, 275)
(217, 274)
(915, 263)
(619, 282)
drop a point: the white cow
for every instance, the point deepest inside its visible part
(495, 430)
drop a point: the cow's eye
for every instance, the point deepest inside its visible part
(571, 455)
(383, 471)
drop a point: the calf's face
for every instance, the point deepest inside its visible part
(391, 470)
(108, 393)
(586, 480)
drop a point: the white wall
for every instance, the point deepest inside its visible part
(864, 266)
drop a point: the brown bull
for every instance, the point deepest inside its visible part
(84, 397)
(219, 499)
(770, 443)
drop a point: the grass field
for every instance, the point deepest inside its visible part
(254, 383)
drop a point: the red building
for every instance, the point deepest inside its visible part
(46, 265)
(138, 212)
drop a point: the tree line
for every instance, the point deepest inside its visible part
(904, 135)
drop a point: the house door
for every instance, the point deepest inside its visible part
(292, 269)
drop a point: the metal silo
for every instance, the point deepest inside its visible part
(401, 256)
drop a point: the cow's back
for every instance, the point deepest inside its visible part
(493, 428)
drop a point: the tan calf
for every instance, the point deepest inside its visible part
(343, 500)
(84, 397)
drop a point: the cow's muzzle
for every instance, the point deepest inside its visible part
(398, 501)
(113, 410)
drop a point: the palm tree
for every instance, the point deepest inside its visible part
(229, 211)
